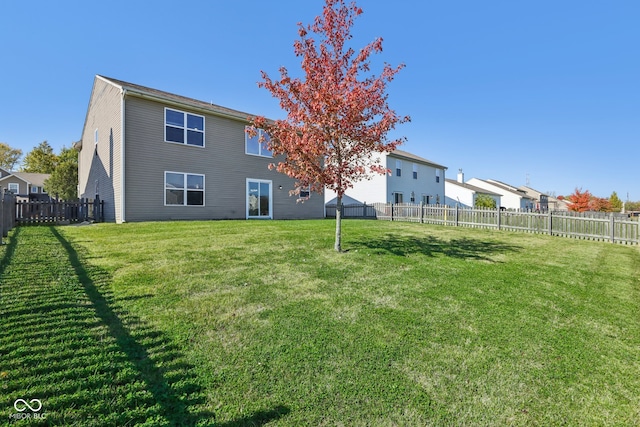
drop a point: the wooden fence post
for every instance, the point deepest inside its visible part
(391, 212)
(2, 215)
(550, 215)
(499, 219)
(612, 229)
(457, 215)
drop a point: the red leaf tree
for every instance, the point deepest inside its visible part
(337, 115)
(580, 200)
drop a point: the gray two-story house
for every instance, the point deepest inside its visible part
(153, 155)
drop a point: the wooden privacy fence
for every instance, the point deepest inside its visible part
(54, 212)
(7, 212)
(616, 228)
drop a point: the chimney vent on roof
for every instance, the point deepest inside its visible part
(460, 176)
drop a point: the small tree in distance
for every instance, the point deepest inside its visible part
(580, 200)
(615, 202)
(485, 201)
(336, 121)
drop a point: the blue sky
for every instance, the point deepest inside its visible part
(543, 90)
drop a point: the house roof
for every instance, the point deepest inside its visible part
(471, 187)
(144, 91)
(346, 200)
(411, 156)
(36, 179)
(507, 187)
(532, 191)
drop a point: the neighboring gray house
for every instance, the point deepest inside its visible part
(463, 194)
(153, 155)
(541, 199)
(413, 179)
(25, 185)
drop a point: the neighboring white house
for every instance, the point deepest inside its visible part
(510, 197)
(459, 193)
(413, 179)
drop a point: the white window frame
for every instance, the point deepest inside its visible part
(259, 181)
(398, 195)
(185, 128)
(261, 146)
(305, 190)
(398, 167)
(437, 175)
(95, 136)
(34, 189)
(415, 171)
(185, 189)
(15, 186)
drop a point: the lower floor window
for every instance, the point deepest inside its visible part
(259, 198)
(397, 197)
(183, 189)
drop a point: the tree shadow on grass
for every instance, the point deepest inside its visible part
(68, 342)
(258, 418)
(158, 362)
(463, 248)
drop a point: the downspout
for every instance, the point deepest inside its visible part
(122, 158)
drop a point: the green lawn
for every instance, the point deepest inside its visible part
(235, 323)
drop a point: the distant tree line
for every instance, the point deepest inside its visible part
(584, 201)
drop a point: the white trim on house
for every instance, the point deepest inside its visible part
(185, 128)
(262, 147)
(248, 195)
(185, 189)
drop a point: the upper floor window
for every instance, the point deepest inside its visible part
(437, 175)
(183, 189)
(183, 128)
(254, 146)
(398, 168)
(95, 136)
(415, 171)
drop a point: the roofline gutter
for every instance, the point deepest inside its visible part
(187, 105)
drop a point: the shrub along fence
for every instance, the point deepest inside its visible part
(616, 228)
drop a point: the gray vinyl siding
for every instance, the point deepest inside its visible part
(223, 162)
(101, 162)
(23, 187)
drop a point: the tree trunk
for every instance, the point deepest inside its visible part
(338, 244)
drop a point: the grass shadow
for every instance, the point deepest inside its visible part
(65, 340)
(176, 400)
(10, 249)
(258, 418)
(463, 248)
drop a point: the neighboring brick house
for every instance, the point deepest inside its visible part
(153, 155)
(413, 179)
